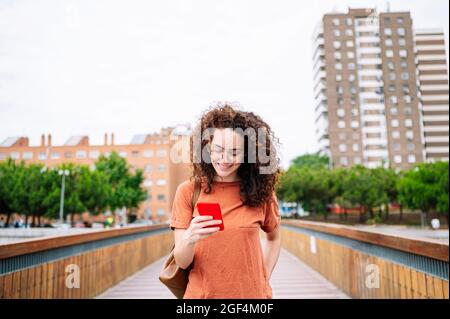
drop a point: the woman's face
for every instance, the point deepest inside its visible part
(227, 152)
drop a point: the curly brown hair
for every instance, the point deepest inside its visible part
(255, 188)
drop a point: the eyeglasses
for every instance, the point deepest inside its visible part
(219, 152)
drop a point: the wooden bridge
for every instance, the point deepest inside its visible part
(317, 261)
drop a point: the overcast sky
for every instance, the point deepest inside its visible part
(130, 67)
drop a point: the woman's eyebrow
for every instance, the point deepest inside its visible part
(233, 149)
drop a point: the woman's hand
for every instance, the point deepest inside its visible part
(197, 230)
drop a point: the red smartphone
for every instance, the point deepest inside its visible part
(211, 209)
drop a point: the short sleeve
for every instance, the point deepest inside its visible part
(272, 216)
(182, 206)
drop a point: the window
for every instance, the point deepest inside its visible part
(123, 154)
(162, 167)
(350, 44)
(407, 99)
(349, 32)
(395, 134)
(338, 77)
(27, 155)
(148, 153)
(15, 155)
(353, 90)
(394, 110)
(337, 45)
(391, 87)
(161, 197)
(148, 183)
(357, 160)
(2, 156)
(355, 112)
(351, 77)
(340, 112)
(405, 89)
(408, 110)
(355, 136)
(94, 154)
(403, 64)
(389, 53)
(337, 55)
(391, 65)
(410, 146)
(400, 20)
(388, 31)
(388, 42)
(161, 182)
(408, 123)
(410, 135)
(55, 155)
(344, 161)
(391, 76)
(42, 156)
(397, 159)
(161, 153)
(341, 124)
(80, 154)
(395, 123)
(411, 158)
(338, 66)
(401, 32)
(349, 21)
(351, 66)
(355, 147)
(405, 76)
(393, 99)
(355, 124)
(342, 136)
(336, 21)
(68, 154)
(134, 153)
(403, 53)
(401, 42)
(161, 212)
(342, 148)
(350, 55)
(336, 33)
(148, 168)
(397, 147)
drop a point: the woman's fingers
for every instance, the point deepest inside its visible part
(207, 230)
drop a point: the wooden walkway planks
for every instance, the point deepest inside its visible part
(291, 279)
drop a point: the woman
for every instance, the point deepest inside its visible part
(230, 263)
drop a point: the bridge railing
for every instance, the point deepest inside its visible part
(366, 264)
(80, 265)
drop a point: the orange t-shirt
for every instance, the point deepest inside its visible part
(229, 264)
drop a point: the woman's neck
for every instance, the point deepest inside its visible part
(229, 178)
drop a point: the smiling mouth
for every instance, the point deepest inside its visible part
(224, 167)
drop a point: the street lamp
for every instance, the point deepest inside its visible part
(62, 173)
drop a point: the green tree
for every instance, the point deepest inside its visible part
(125, 190)
(9, 173)
(424, 188)
(72, 201)
(362, 188)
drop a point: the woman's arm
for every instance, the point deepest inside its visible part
(184, 250)
(272, 250)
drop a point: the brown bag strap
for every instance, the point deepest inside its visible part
(196, 193)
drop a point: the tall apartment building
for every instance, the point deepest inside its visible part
(367, 99)
(150, 152)
(432, 71)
